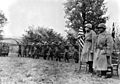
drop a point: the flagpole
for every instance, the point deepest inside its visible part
(80, 43)
(79, 58)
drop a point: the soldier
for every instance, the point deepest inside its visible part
(27, 51)
(88, 48)
(76, 54)
(46, 48)
(51, 53)
(30, 51)
(57, 53)
(103, 50)
(24, 50)
(38, 51)
(34, 52)
(66, 54)
(19, 51)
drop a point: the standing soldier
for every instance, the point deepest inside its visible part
(103, 50)
(76, 54)
(57, 53)
(19, 51)
(66, 54)
(88, 48)
(46, 48)
(27, 51)
(24, 50)
(34, 52)
(51, 53)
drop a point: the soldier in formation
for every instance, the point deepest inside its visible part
(49, 52)
(66, 54)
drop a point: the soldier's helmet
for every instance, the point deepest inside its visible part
(102, 25)
(88, 25)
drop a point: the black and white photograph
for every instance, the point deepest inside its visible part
(59, 41)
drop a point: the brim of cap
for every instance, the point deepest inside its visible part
(101, 27)
(88, 27)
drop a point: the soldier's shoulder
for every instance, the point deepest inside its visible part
(108, 35)
(93, 32)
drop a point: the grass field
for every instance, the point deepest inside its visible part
(16, 70)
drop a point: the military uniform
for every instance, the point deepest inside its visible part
(88, 47)
(66, 55)
(76, 56)
(103, 49)
(51, 54)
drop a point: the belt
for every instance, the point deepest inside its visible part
(101, 48)
(89, 40)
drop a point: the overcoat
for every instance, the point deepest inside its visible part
(103, 50)
(88, 47)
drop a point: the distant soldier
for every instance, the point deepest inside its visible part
(66, 54)
(0, 49)
(103, 50)
(88, 48)
(42, 51)
(30, 51)
(57, 54)
(19, 51)
(24, 51)
(46, 48)
(34, 52)
(38, 51)
(51, 53)
(76, 54)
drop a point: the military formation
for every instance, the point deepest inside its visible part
(55, 51)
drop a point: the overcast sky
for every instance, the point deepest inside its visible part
(48, 13)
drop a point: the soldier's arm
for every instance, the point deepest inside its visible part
(93, 40)
(110, 43)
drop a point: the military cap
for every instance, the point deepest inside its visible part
(88, 25)
(102, 25)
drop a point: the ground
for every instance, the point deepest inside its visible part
(16, 70)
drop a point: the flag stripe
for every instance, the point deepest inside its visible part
(81, 42)
(81, 37)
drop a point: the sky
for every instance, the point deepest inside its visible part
(47, 13)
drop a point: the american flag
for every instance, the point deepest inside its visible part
(81, 37)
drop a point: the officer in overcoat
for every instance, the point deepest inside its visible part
(88, 48)
(103, 50)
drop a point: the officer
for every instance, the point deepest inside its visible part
(88, 48)
(103, 50)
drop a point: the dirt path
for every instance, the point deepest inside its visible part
(15, 70)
